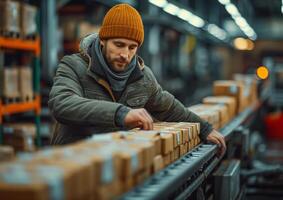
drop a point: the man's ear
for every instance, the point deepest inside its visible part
(102, 43)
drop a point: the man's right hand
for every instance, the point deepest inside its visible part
(139, 118)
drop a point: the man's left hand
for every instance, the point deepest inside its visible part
(217, 138)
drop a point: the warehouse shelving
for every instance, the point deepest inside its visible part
(33, 105)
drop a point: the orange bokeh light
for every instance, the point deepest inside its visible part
(262, 72)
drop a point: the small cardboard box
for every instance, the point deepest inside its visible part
(154, 136)
(177, 134)
(167, 159)
(25, 83)
(230, 88)
(158, 163)
(6, 153)
(28, 19)
(230, 102)
(166, 143)
(9, 16)
(10, 82)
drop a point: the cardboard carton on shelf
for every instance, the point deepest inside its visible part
(25, 83)
(9, 18)
(28, 19)
(10, 83)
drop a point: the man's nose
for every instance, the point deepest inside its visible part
(124, 54)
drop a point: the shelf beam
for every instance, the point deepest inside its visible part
(7, 109)
(19, 44)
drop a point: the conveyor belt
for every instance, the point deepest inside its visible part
(181, 178)
(162, 184)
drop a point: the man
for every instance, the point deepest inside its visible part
(107, 87)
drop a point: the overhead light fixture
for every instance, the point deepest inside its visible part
(191, 18)
(216, 31)
(185, 14)
(158, 3)
(282, 6)
(232, 10)
(243, 44)
(171, 9)
(239, 20)
(224, 2)
(196, 21)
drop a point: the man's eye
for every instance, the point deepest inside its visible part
(119, 45)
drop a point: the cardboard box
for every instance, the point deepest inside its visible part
(6, 153)
(25, 83)
(147, 149)
(230, 102)
(158, 163)
(230, 88)
(167, 159)
(213, 114)
(153, 136)
(182, 150)
(177, 134)
(28, 19)
(10, 82)
(20, 136)
(9, 17)
(39, 181)
(166, 143)
(208, 109)
(177, 153)
(250, 87)
(31, 187)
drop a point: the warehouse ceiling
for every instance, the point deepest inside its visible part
(267, 9)
(264, 17)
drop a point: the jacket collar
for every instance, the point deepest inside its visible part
(84, 46)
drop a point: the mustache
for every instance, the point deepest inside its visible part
(121, 60)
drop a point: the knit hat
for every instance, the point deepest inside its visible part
(122, 21)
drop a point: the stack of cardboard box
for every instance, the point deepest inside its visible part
(17, 19)
(102, 167)
(17, 83)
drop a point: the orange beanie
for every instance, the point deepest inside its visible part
(122, 21)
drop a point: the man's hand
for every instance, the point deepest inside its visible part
(139, 118)
(217, 138)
